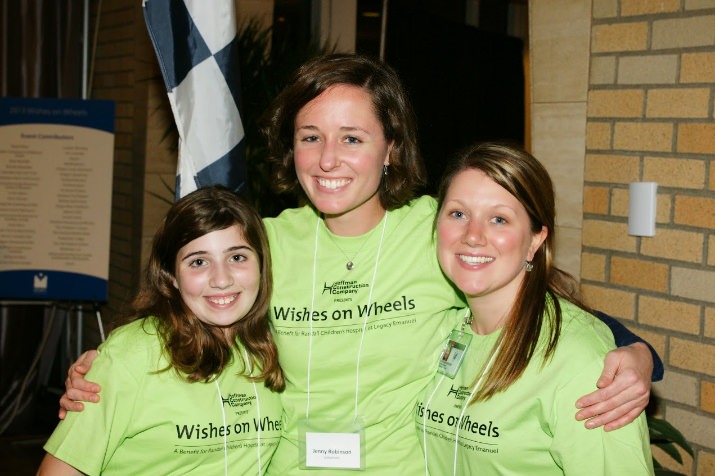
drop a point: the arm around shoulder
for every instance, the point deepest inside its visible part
(625, 338)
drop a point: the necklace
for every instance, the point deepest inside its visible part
(364, 325)
(350, 264)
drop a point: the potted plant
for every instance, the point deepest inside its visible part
(665, 436)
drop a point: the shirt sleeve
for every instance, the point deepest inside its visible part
(87, 440)
(583, 452)
(623, 337)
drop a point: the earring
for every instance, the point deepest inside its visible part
(528, 266)
(384, 170)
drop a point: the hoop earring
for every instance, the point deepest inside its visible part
(528, 266)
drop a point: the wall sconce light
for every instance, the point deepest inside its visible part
(642, 208)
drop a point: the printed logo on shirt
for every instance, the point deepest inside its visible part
(342, 288)
(459, 393)
(238, 400)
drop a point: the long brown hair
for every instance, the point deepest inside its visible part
(195, 348)
(527, 180)
(392, 107)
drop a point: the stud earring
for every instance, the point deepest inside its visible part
(528, 266)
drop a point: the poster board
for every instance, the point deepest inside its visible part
(56, 160)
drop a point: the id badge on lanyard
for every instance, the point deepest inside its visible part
(453, 353)
(330, 444)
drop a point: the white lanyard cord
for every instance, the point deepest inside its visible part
(367, 316)
(225, 436)
(466, 404)
(424, 422)
(310, 317)
(223, 415)
(364, 325)
(258, 413)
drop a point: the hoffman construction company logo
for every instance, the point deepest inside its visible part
(343, 287)
(238, 400)
(460, 393)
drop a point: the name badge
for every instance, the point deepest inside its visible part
(329, 445)
(453, 354)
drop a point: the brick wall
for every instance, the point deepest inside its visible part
(651, 98)
(119, 69)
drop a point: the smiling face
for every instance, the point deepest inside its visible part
(339, 153)
(483, 238)
(218, 276)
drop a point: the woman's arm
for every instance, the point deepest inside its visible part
(624, 384)
(52, 466)
(624, 337)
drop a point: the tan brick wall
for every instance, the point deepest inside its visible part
(636, 273)
(675, 172)
(643, 136)
(697, 67)
(681, 103)
(595, 200)
(706, 463)
(642, 7)
(612, 168)
(593, 267)
(615, 103)
(598, 135)
(697, 138)
(620, 37)
(695, 211)
(651, 104)
(710, 322)
(693, 356)
(707, 396)
(669, 314)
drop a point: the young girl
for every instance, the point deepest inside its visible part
(528, 348)
(173, 402)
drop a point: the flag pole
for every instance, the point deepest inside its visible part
(383, 29)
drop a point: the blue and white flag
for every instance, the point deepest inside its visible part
(195, 43)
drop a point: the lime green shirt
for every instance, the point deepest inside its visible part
(406, 323)
(156, 423)
(530, 429)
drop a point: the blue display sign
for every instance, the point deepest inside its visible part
(56, 161)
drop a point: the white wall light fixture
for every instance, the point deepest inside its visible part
(642, 208)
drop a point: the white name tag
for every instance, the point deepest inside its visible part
(330, 445)
(332, 450)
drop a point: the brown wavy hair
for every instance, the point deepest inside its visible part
(197, 349)
(392, 107)
(537, 302)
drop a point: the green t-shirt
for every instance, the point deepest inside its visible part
(530, 427)
(406, 326)
(156, 423)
